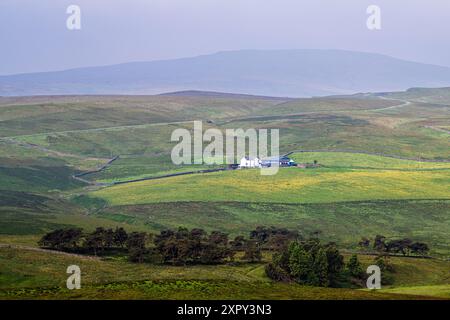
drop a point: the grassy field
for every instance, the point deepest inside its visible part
(30, 274)
(289, 185)
(364, 161)
(346, 222)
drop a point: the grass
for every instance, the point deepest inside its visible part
(364, 161)
(438, 291)
(289, 185)
(34, 274)
(346, 223)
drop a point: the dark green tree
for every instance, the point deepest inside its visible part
(354, 267)
(120, 237)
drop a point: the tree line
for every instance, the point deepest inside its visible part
(404, 246)
(176, 247)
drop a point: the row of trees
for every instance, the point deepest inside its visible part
(403, 246)
(178, 247)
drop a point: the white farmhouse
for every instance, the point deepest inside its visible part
(249, 162)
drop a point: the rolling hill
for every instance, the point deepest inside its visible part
(295, 73)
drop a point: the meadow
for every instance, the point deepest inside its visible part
(289, 185)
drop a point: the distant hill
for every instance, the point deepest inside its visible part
(293, 73)
(216, 94)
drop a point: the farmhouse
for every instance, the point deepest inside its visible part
(250, 162)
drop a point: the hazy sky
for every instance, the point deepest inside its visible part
(34, 37)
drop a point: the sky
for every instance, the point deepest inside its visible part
(34, 36)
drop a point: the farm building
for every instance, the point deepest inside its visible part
(248, 162)
(281, 161)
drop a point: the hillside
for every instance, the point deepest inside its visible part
(384, 170)
(31, 274)
(294, 73)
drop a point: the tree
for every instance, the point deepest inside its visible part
(108, 238)
(383, 262)
(354, 267)
(379, 243)
(273, 237)
(321, 268)
(95, 241)
(62, 239)
(238, 243)
(399, 246)
(252, 251)
(300, 263)
(364, 243)
(193, 247)
(335, 264)
(120, 237)
(136, 246)
(419, 248)
(308, 262)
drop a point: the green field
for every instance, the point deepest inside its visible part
(289, 185)
(358, 190)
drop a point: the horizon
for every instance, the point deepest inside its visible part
(35, 37)
(219, 52)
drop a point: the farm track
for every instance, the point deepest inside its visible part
(404, 103)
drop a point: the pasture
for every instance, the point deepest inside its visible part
(289, 185)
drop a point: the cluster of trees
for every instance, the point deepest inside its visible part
(308, 262)
(403, 246)
(273, 238)
(177, 247)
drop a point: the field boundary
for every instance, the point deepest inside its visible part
(371, 154)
